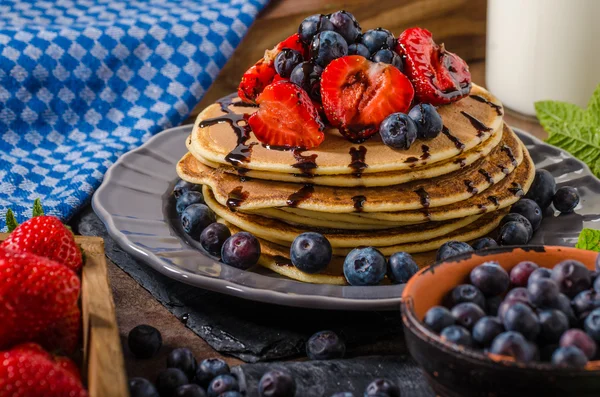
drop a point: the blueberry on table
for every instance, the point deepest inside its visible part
(390, 57)
(452, 248)
(188, 198)
(513, 233)
(542, 189)
(398, 131)
(222, 384)
(169, 380)
(312, 25)
(543, 292)
(519, 275)
(346, 25)
(358, 49)
(327, 46)
(585, 301)
(569, 357)
(553, 323)
(484, 243)
(183, 359)
(376, 39)
(286, 61)
(382, 387)
(507, 303)
(514, 217)
(564, 305)
(518, 293)
(191, 390)
(364, 266)
(467, 314)
(578, 338)
(542, 272)
(437, 318)
(209, 369)
(402, 267)
(466, 293)
(490, 278)
(277, 383)
(592, 324)
(182, 187)
(515, 345)
(307, 75)
(242, 250)
(195, 218)
(530, 210)
(456, 334)
(144, 341)
(572, 277)
(311, 252)
(566, 199)
(429, 122)
(213, 237)
(325, 345)
(522, 319)
(486, 329)
(140, 387)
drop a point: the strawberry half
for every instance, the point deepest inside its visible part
(262, 73)
(358, 95)
(439, 76)
(287, 118)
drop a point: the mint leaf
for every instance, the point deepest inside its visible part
(589, 239)
(11, 221)
(37, 208)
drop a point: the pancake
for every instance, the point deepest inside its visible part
(468, 123)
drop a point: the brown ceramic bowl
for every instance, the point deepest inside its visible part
(453, 370)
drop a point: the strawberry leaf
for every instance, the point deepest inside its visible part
(11, 221)
(37, 208)
(589, 239)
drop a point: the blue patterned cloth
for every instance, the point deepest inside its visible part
(83, 81)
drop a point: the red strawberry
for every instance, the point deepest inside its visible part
(439, 76)
(64, 334)
(28, 371)
(286, 117)
(358, 95)
(262, 73)
(46, 236)
(68, 365)
(35, 294)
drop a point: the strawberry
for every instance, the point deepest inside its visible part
(439, 76)
(262, 73)
(286, 117)
(358, 95)
(68, 365)
(35, 294)
(46, 236)
(28, 371)
(64, 334)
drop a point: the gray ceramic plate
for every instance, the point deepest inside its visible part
(133, 202)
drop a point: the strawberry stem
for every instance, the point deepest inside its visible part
(11, 221)
(37, 208)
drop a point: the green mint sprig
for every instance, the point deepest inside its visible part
(589, 239)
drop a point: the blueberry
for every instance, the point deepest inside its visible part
(572, 277)
(241, 250)
(382, 387)
(325, 345)
(566, 199)
(311, 252)
(519, 293)
(402, 267)
(467, 314)
(537, 274)
(169, 380)
(542, 189)
(327, 46)
(521, 318)
(188, 198)
(564, 305)
(364, 266)
(490, 278)
(486, 329)
(140, 387)
(286, 61)
(222, 384)
(466, 293)
(492, 304)
(543, 292)
(183, 359)
(596, 282)
(437, 318)
(569, 357)
(190, 390)
(277, 383)
(345, 24)
(312, 25)
(358, 49)
(592, 324)
(484, 243)
(343, 394)
(231, 393)
(307, 75)
(513, 233)
(530, 210)
(553, 324)
(585, 301)
(514, 217)
(213, 237)
(507, 304)
(398, 131)
(376, 39)
(429, 122)
(195, 218)
(182, 187)
(452, 248)
(209, 369)
(519, 275)
(513, 344)
(456, 334)
(391, 58)
(144, 341)
(578, 338)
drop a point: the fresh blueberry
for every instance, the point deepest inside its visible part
(231, 393)
(467, 314)
(542, 189)
(402, 267)
(513, 233)
(572, 277)
(209, 369)
(585, 301)
(222, 384)
(382, 387)
(169, 380)
(213, 237)
(390, 57)
(325, 345)
(144, 341)
(484, 243)
(486, 329)
(241, 250)
(311, 252)
(184, 359)
(345, 24)
(358, 49)
(376, 39)
(569, 357)
(307, 75)
(277, 383)
(519, 293)
(553, 324)
(195, 218)
(514, 217)
(452, 248)
(537, 274)
(519, 275)
(190, 390)
(578, 338)
(429, 122)
(566, 199)
(312, 25)
(456, 334)
(466, 293)
(140, 387)
(490, 278)
(492, 304)
(343, 394)
(520, 318)
(543, 292)
(437, 318)
(327, 46)
(513, 344)
(364, 266)
(507, 304)
(286, 61)
(182, 187)
(398, 131)
(530, 210)
(564, 305)
(592, 324)
(188, 198)
(596, 282)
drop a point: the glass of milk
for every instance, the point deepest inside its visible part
(542, 49)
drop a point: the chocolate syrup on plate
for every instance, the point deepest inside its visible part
(304, 193)
(494, 200)
(359, 202)
(516, 189)
(235, 198)
(306, 164)
(488, 177)
(506, 149)
(478, 125)
(470, 187)
(453, 139)
(497, 108)
(358, 160)
(424, 196)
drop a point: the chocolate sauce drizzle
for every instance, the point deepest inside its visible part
(304, 193)
(494, 200)
(506, 149)
(358, 160)
(453, 139)
(282, 261)
(424, 196)
(461, 161)
(411, 160)
(306, 164)
(482, 208)
(488, 177)
(478, 125)
(359, 202)
(516, 189)
(471, 187)
(497, 108)
(426, 153)
(503, 169)
(235, 198)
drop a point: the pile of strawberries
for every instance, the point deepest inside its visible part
(40, 286)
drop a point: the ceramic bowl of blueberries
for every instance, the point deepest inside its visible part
(507, 321)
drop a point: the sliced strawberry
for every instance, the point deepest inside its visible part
(358, 95)
(286, 117)
(439, 76)
(262, 73)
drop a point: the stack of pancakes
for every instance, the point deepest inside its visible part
(456, 186)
